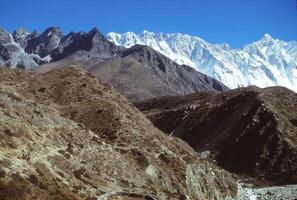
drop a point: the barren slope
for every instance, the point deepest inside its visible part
(66, 135)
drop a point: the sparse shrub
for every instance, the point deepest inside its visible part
(13, 190)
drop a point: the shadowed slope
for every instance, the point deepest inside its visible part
(249, 130)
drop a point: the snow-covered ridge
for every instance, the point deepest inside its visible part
(267, 62)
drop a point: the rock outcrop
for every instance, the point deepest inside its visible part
(93, 43)
(44, 43)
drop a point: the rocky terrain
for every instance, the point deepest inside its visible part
(67, 135)
(288, 192)
(249, 131)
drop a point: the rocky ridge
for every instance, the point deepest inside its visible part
(248, 131)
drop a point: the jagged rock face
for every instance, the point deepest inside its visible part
(249, 130)
(66, 135)
(24, 49)
(4, 37)
(70, 44)
(4, 53)
(22, 36)
(101, 45)
(141, 73)
(93, 42)
(4, 40)
(13, 55)
(45, 43)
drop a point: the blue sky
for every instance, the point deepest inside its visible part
(236, 22)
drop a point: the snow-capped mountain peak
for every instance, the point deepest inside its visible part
(266, 62)
(267, 37)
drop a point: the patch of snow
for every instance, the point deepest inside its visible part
(47, 58)
(152, 171)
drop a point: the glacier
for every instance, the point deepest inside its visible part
(266, 62)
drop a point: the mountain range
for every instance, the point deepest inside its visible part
(67, 132)
(138, 72)
(267, 62)
(24, 49)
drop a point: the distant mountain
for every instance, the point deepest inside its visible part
(25, 49)
(249, 131)
(267, 62)
(44, 43)
(138, 72)
(141, 73)
(92, 42)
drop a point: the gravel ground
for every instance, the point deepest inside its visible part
(288, 192)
